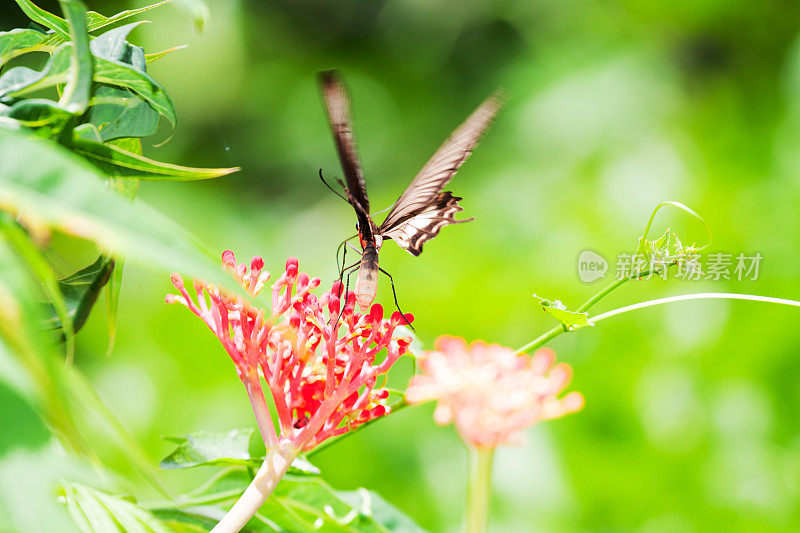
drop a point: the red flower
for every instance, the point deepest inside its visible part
(321, 363)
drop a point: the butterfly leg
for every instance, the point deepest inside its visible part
(356, 250)
(343, 245)
(396, 304)
(352, 268)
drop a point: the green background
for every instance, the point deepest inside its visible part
(692, 410)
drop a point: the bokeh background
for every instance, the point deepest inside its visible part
(692, 418)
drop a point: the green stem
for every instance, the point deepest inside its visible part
(541, 339)
(555, 332)
(696, 296)
(558, 330)
(605, 292)
(480, 489)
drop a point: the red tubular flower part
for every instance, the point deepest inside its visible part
(320, 361)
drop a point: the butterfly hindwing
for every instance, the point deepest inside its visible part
(411, 233)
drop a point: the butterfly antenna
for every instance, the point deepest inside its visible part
(351, 199)
(396, 304)
(334, 191)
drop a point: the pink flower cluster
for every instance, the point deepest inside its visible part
(489, 392)
(319, 361)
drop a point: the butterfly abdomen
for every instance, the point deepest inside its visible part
(367, 280)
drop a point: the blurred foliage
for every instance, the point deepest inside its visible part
(691, 422)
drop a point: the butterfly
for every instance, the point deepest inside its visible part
(423, 209)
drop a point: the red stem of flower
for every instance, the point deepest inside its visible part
(284, 415)
(260, 409)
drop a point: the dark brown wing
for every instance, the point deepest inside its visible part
(412, 232)
(426, 187)
(337, 103)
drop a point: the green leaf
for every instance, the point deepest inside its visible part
(37, 263)
(231, 448)
(371, 504)
(61, 394)
(678, 205)
(19, 411)
(27, 479)
(667, 250)
(93, 510)
(127, 188)
(113, 45)
(104, 423)
(19, 78)
(19, 81)
(81, 290)
(87, 131)
(43, 117)
(210, 449)
(112, 302)
(37, 367)
(132, 116)
(302, 466)
(308, 503)
(79, 80)
(48, 186)
(149, 58)
(129, 116)
(302, 504)
(129, 77)
(190, 520)
(570, 320)
(45, 18)
(96, 20)
(17, 42)
(116, 161)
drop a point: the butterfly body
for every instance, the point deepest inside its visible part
(367, 279)
(424, 208)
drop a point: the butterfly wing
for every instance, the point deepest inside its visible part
(337, 102)
(423, 209)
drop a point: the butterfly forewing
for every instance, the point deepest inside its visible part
(422, 210)
(439, 170)
(337, 103)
